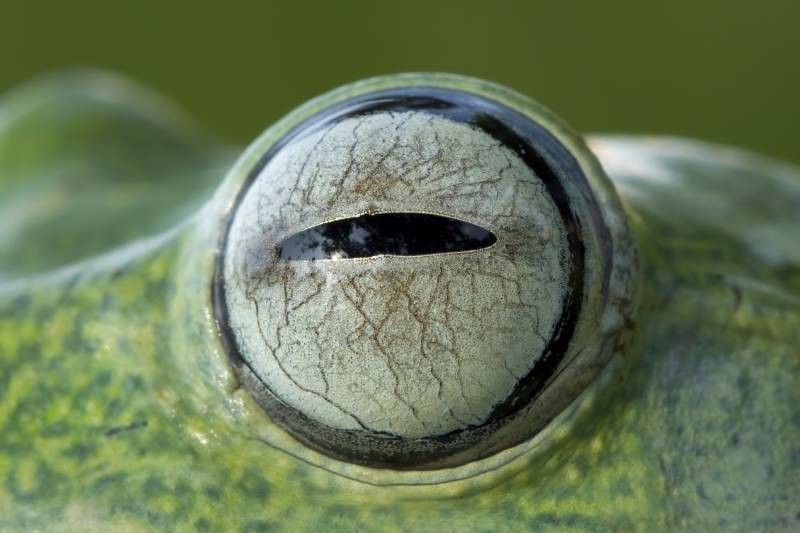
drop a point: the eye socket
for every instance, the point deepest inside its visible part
(412, 356)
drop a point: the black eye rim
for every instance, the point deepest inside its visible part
(541, 151)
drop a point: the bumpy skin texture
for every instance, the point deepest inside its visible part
(118, 406)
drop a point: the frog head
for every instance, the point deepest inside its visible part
(415, 303)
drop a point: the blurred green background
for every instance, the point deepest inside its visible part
(727, 71)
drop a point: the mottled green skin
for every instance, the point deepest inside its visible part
(118, 407)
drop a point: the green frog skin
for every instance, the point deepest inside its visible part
(622, 356)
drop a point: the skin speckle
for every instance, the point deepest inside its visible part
(121, 429)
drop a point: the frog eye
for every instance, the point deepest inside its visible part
(421, 276)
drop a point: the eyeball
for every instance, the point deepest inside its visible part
(421, 275)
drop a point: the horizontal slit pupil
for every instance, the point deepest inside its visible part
(369, 235)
